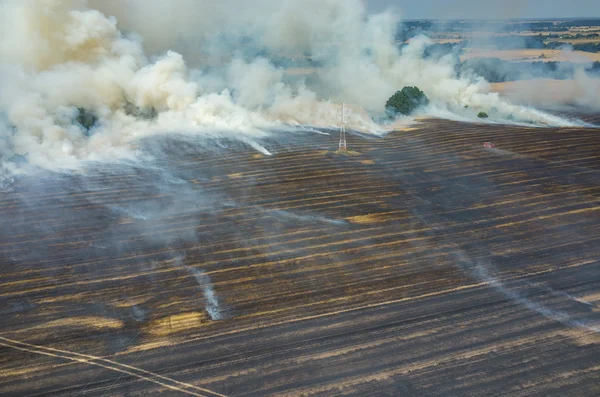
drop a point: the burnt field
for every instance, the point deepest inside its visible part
(421, 264)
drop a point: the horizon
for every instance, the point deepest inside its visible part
(482, 10)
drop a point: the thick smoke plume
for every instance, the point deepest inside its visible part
(141, 67)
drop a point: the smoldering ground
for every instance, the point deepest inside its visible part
(142, 219)
(121, 186)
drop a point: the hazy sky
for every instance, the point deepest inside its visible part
(496, 9)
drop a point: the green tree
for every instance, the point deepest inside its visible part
(482, 115)
(406, 101)
(138, 112)
(87, 119)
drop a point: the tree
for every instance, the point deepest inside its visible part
(87, 119)
(18, 159)
(406, 101)
(482, 115)
(139, 112)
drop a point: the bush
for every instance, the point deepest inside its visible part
(405, 101)
(482, 115)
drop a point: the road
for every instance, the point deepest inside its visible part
(420, 264)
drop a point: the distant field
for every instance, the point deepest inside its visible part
(300, 71)
(444, 41)
(532, 55)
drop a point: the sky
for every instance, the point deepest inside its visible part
(496, 9)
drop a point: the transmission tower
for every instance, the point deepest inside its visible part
(343, 114)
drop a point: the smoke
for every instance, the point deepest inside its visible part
(579, 92)
(531, 65)
(86, 80)
(573, 313)
(212, 302)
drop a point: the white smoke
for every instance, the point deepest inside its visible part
(119, 60)
(581, 92)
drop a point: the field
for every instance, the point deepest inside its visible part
(532, 55)
(420, 264)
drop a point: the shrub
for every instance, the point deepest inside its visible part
(405, 101)
(482, 115)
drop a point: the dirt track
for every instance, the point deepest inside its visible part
(422, 265)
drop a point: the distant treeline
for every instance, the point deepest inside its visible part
(515, 42)
(529, 42)
(587, 47)
(571, 36)
(496, 70)
(546, 26)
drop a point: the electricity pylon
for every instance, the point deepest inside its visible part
(343, 117)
